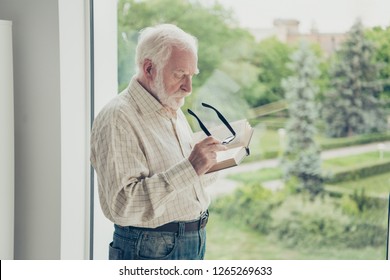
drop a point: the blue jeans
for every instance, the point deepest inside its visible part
(141, 244)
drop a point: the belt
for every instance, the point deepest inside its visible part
(175, 226)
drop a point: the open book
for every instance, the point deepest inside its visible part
(237, 149)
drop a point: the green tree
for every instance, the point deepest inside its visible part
(271, 57)
(352, 106)
(301, 158)
(381, 39)
(214, 26)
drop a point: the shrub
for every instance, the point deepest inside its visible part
(251, 204)
(348, 205)
(361, 233)
(293, 219)
(308, 224)
(323, 224)
(358, 173)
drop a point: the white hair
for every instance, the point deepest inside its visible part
(156, 43)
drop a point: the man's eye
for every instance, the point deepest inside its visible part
(179, 76)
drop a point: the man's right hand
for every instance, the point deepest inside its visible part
(204, 154)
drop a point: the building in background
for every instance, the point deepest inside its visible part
(287, 31)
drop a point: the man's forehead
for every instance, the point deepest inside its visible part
(183, 61)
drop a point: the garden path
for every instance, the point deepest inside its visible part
(225, 185)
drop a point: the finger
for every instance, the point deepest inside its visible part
(210, 140)
(218, 147)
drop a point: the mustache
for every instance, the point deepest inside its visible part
(181, 93)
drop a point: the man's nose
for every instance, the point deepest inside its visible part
(187, 84)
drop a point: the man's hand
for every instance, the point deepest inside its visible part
(204, 154)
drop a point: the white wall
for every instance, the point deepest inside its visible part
(51, 127)
(37, 127)
(6, 142)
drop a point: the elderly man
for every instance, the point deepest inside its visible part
(151, 175)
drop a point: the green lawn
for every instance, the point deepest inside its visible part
(354, 161)
(267, 143)
(229, 241)
(263, 175)
(379, 184)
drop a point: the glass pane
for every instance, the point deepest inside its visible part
(316, 183)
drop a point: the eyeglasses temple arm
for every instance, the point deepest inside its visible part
(221, 117)
(202, 126)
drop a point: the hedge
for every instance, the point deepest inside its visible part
(358, 173)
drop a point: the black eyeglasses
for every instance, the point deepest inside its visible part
(228, 139)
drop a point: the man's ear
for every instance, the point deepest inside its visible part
(148, 69)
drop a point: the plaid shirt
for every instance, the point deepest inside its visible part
(140, 153)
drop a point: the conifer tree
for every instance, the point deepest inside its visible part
(352, 105)
(301, 158)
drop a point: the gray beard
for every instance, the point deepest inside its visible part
(165, 99)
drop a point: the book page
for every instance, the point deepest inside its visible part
(243, 136)
(228, 154)
(229, 158)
